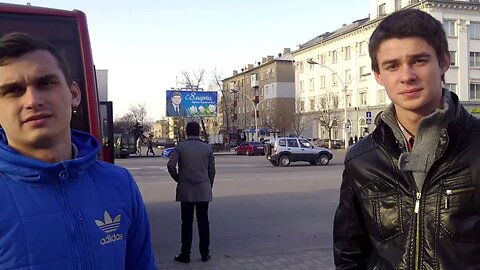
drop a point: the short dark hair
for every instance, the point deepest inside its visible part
(16, 44)
(409, 23)
(176, 94)
(192, 129)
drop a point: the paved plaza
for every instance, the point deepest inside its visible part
(262, 217)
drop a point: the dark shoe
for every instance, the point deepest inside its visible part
(182, 258)
(206, 258)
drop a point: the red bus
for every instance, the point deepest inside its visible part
(68, 32)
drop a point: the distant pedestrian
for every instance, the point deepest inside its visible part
(350, 141)
(195, 176)
(150, 145)
(139, 145)
(355, 139)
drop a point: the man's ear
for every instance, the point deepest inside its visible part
(378, 78)
(76, 94)
(445, 63)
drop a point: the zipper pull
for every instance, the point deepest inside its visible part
(448, 192)
(417, 202)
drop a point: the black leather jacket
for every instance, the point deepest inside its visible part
(382, 222)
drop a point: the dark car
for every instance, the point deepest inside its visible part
(250, 148)
(167, 152)
(325, 143)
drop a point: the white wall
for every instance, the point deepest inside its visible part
(102, 84)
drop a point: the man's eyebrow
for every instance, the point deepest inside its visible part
(6, 86)
(50, 76)
(409, 57)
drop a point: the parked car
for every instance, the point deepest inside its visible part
(250, 148)
(336, 144)
(167, 152)
(282, 151)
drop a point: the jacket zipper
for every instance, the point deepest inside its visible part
(417, 233)
(71, 226)
(85, 234)
(449, 192)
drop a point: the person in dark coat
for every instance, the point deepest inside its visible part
(194, 177)
(150, 145)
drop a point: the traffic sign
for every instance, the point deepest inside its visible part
(368, 115)
(368, 121)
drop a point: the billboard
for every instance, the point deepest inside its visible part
(191, 103)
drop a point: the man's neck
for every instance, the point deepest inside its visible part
(409, 121)
(51, 154)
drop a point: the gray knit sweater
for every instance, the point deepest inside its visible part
(429, 131)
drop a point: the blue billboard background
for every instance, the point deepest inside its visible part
(193, 104)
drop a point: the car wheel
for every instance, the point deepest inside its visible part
(284, 161)
(274, 163)
(323, 160)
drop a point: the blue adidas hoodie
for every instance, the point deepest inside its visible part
(76, 214)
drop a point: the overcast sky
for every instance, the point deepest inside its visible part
(146, 44)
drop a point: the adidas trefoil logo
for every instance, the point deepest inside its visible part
(109, 226)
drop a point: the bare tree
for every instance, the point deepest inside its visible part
(299, 119)
(279, 115)
(134, 121)
(193, 80)
(217, 82)
(328, 112)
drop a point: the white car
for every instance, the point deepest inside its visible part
(282, 151)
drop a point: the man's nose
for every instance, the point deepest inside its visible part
(33, 97)
(408, 74)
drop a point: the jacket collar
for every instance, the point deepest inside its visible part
(389, 134)
(20, 167)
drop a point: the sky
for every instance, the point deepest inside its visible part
(146, 44)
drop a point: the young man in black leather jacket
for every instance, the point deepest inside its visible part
(410, 196)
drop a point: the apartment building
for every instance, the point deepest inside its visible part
(336, 67)
(267, 87)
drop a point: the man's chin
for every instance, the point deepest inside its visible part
(41, 139)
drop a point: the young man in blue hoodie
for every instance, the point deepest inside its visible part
(61, 207)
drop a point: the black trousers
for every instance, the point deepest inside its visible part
(201, 209)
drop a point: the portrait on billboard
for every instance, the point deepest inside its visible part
(174, 105)
(191, 103)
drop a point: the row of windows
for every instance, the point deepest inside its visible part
(451, 29)
(270, 73)
(335, 102)
(382, 97)
(334, 79)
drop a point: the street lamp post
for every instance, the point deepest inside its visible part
(344, 88)
(255, 105)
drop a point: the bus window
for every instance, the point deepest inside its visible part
(67, 31)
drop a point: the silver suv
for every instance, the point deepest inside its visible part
(282, 151)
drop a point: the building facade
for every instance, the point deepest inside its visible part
(335, 68)
(269, 87)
